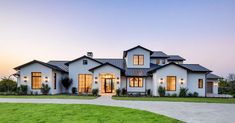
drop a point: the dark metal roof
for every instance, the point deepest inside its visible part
(175, 58)
(195, 68)
(42, 63)
(82, 58)
(117, 62)
(159, 54)
(92, 69)
(60, 64)
(125, 52)
(212, 76)
(140, 71)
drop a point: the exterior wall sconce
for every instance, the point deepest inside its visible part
(216, 84)
(117, 78)
(96, 82)
(96, 77)
(182, 81)
(46, 79)
(117, 82)
(161, 81)
(25, 79)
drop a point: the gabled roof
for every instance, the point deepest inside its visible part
(125, 52)
(117, 62)
(195, 68)
(159, 54)
(42, 63)
(92, 69)
(212, 76)
(60, 64)
(175, 58)
(189, 67)
(82, 58)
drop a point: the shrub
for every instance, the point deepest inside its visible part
(123, 91)
(22, 90)
(183, 92)
(195, 94)
(149, 92)
(174, 95)
(66, 82)
(95, 92)
(7, 85)
(45, 89)
(118, 91)
(233, 95)
(161, 91)
(74, 90)
(190, 94)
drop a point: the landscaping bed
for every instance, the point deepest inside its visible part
(66, 113)
(48, 96)
(177, 99)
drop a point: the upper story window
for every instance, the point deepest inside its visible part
(85, 62)
(138, 59)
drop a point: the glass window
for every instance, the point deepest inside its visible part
(85, 83)
(158, 61)
(163, 61)
(138, 59)
(36, 80)
(54, 80)
(200, 83)
(136, 82)
(85, 62)
(171, 83)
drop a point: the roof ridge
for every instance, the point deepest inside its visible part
(59, 60)
(110, 58)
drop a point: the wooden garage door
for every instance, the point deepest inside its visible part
(209, 87)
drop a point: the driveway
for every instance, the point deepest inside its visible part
(185, 111)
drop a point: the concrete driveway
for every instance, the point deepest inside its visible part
(188, 112)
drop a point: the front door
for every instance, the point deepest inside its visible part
(108, 85)
(209, 87)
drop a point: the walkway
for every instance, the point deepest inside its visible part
(188, 112)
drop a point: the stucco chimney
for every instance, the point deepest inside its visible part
(90, 54)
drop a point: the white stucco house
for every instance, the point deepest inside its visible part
(140, 69)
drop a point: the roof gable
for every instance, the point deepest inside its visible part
(82, 58)
(92, 69)
(172, 63)
(159, 54)
(125, 52)
(42, 63)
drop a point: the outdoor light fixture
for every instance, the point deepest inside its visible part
(46, 79)
(96, 82)
(216, 84)
(117, 78)
(161, 81)
(25, 78)
(96, 77)
(117, 82)
(182, 81)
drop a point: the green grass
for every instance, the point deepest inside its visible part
(48, 96)
(64, 113)
(179, 99)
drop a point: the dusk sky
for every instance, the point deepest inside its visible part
(201, 31)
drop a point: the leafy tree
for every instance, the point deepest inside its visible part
(224, 86)
(66, 82)
(7, 85)
(161, 91)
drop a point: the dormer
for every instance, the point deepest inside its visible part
(176, 59)
(137, 57)
(159, 58)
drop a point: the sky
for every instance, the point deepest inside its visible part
(201, 31)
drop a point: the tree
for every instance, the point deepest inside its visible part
(7, 85)
(231, 77)
(66, 82)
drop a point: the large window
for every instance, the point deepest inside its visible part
(138, 59)
(171, 83)
(55, 80)
(158, 61)
(200, 83)
(36, 80)
(136, 82)
(85, 83)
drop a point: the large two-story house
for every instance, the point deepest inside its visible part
(140, 69)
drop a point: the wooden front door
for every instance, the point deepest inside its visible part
(209, 87)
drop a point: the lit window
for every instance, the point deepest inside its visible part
(200, 83)
(36, 80)
(171, 83)
(138, 59)
(158, 61)
(85, 62)
(136, 82)
(85, 83)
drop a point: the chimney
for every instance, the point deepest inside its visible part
(90, 54)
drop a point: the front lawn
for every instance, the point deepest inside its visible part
(178, 99)
(48, 96)
(64, 113)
